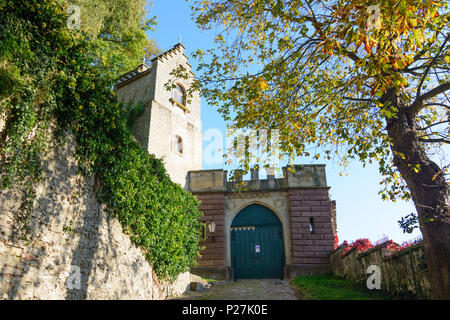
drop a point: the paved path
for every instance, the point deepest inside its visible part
(259, 289)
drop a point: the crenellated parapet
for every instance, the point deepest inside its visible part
(296, 176)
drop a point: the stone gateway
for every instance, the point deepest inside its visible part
(276, 228)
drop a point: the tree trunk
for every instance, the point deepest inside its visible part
(429, 192)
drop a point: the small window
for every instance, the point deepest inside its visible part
(311, 225)
(203, 235)
(178, 144)
(179, 95)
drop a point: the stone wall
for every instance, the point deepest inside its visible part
(211, 264)
(402, 274)
(69, 247)
(213, 207)
(311, 250)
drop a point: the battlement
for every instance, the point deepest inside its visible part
(296, 176)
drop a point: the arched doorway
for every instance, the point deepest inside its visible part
(257, 245)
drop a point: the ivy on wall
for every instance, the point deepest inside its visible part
(48, 77)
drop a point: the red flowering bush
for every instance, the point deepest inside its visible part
(336, 241)
(392, 246)
(361, 245)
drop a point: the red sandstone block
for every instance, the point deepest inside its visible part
(218, 256)
(314, 260)
(312, 248)
(322, 219)
(327, 225)
(297, 225)
(207, 251)
(297, 209)
(306, 242)
(299, 230)
(303, 254)
(293, 198)
(318, 197)
(297, 242)
(205, 263)
(298, 260)
(310, 203)
(296, 235)
(323, 230)
(316, 236)
(328, 247)
(210, 210)
(205, 207)
(322, 242)
(322, 254)
(320, 209)
(213, 256)
(311, 214)
(299, 219)
(217, 239)
(217, 214)
(219, 263)
(215, 201)
(210, 251)
(216, 245)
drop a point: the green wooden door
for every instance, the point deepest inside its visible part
(257, 245)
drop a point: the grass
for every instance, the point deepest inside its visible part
(330, 287)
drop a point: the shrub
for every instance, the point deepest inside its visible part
(60, 82)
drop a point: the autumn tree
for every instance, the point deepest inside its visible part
(116, 31)
(356, 78)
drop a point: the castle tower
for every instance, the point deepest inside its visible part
(170, 125)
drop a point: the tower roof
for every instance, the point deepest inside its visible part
(144, 69)
(133, 74)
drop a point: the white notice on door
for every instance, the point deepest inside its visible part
(257, 248)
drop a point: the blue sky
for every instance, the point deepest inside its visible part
(360, 211)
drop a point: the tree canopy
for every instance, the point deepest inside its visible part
(319, 73)
(358, 78)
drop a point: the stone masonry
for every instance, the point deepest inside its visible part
(213, 207)
(299, 199)
(403, 273)
(164, 120)
(311, 248)
(70, 234)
